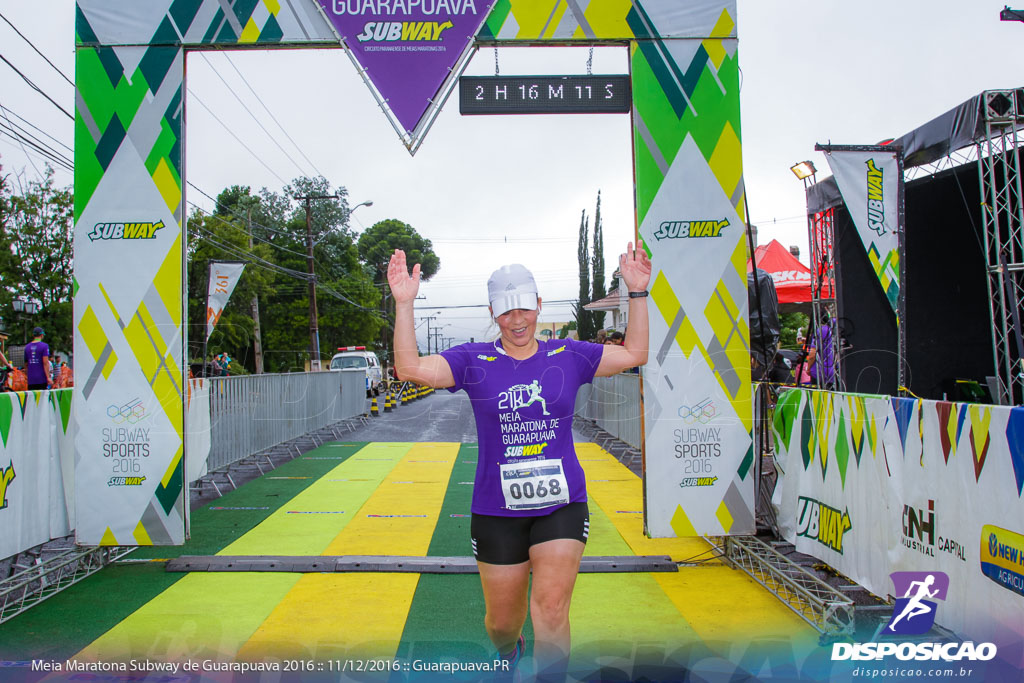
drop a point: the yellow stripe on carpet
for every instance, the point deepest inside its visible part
(720, 603)
(612, 613)
(233, 605)
(310, 521)
(332, 616)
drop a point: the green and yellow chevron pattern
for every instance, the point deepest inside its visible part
(128, 160)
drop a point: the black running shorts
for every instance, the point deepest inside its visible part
(507, 540)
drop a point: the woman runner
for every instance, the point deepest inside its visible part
(529, 508)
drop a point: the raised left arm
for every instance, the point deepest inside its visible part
(636, 274)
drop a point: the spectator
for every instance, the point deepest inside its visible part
(37, 362)
(602, 335)
(55, 369)
(221, 363)
(821, 356)
(616, 338)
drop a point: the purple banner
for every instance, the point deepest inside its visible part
(407, 47)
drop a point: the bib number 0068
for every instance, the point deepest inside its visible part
(532, 485)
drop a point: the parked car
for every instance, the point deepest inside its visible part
(358, 359)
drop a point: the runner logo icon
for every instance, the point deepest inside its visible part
(522, 395)
(914, 613)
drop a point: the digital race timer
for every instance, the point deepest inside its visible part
(544, 94)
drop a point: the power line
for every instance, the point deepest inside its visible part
(249, 257)
(249, 112)
(70, 82)
(274, 118)
(232, 133)
(19, 133)
(34, 127)
(36, 87)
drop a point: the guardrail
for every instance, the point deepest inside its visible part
(613, 404)
(251, 413)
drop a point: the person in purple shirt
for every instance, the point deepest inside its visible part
(529, 509)
(37, 362)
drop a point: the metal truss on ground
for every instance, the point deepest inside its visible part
(37, 582)
(819, 604)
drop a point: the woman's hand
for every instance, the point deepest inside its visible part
(404, 286)
(635, 268)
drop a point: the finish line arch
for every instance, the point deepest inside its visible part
(129, 320)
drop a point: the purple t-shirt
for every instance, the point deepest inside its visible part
(34, 352)
(523, 412)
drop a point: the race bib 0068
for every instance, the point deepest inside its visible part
(536, 484)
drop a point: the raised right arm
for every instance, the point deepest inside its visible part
(432, 371)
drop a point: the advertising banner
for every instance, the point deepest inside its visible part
(408, 49)
(129, 264)
(879, 487)
(34, 456)
(224, 275)
(697, 392)
(869, 183)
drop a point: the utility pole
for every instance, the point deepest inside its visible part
(314, 327)
(255, 306)
(428, 319)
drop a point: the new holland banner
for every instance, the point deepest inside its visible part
(869, 183)
(224, 275)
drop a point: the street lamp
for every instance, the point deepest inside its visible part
(25, 307)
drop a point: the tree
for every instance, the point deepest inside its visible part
(347, 301)
(378, 243)
(597, 281)
(36, 231)
(584, 321)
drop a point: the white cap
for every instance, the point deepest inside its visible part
(511, 287)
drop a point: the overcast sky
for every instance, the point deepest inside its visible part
(493, 190)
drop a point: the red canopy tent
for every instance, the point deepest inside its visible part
(792, 279)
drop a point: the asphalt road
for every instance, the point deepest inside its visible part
(441, 416)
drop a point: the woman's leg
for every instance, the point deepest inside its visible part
(505, 598)
(555, 565)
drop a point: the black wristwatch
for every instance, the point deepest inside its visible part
(638, 295)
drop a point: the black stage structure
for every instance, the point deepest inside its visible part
(962, 262)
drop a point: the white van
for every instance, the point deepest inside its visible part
(358, 359)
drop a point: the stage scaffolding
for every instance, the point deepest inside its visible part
(987, 130)
(822, 231)
(1003, 219)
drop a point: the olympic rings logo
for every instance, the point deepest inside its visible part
(703, 413)
(130, 412)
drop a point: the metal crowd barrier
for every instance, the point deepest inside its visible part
(251, 413)
(613, 404)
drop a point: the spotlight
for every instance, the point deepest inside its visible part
(803, 169)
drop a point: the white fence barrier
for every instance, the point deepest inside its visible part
(613, 403)
(36, 469)
(252, 413)
(227, 419)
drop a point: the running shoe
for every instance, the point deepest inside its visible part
(513, 661)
